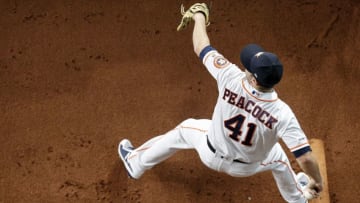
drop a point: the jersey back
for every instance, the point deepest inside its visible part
(246, 123)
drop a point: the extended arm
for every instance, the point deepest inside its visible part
(200, 37)
(310, 166)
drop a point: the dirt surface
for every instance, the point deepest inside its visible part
(76, 77)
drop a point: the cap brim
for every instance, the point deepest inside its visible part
(247, 53)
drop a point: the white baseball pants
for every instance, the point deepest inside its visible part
(192, 134)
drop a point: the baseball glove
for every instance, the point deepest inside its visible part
(188, 14)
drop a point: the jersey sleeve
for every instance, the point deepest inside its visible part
(294, 137)
(218, 66)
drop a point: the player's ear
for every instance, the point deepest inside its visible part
(253, 80)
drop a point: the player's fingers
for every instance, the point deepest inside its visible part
(316, 187)
(315, 194)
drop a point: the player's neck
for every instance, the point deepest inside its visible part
(259, 88)
(252, 82)
(263, 89)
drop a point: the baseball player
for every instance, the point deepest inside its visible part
(242, 137)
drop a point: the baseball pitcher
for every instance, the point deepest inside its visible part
(248, 120)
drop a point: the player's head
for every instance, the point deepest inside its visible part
(264, 66)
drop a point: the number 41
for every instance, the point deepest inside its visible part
(234, 125)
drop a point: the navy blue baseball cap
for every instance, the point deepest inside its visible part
(265, 66)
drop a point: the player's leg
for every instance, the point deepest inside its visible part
(285, 178)
(194, 133)
(187, 135)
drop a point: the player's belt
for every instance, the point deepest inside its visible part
(214, 150)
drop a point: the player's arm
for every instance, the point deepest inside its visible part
(298, 144)
(211, 58)
(310, 166)
(200, 37)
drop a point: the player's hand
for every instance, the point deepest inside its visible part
(315, 188)
(188, 15)
(198, 16)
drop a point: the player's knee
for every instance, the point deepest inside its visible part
(200, 124)
(188, 121)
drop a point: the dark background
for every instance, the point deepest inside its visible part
(76, 77)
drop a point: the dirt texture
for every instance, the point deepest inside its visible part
(76, 77)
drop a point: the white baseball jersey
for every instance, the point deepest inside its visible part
(245, 127)
(246, 123)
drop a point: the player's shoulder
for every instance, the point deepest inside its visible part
(210, 54)
(283, 108)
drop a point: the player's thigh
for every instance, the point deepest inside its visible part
(196, 124)
(193, 131)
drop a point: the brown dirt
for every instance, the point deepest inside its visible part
(78, 76)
